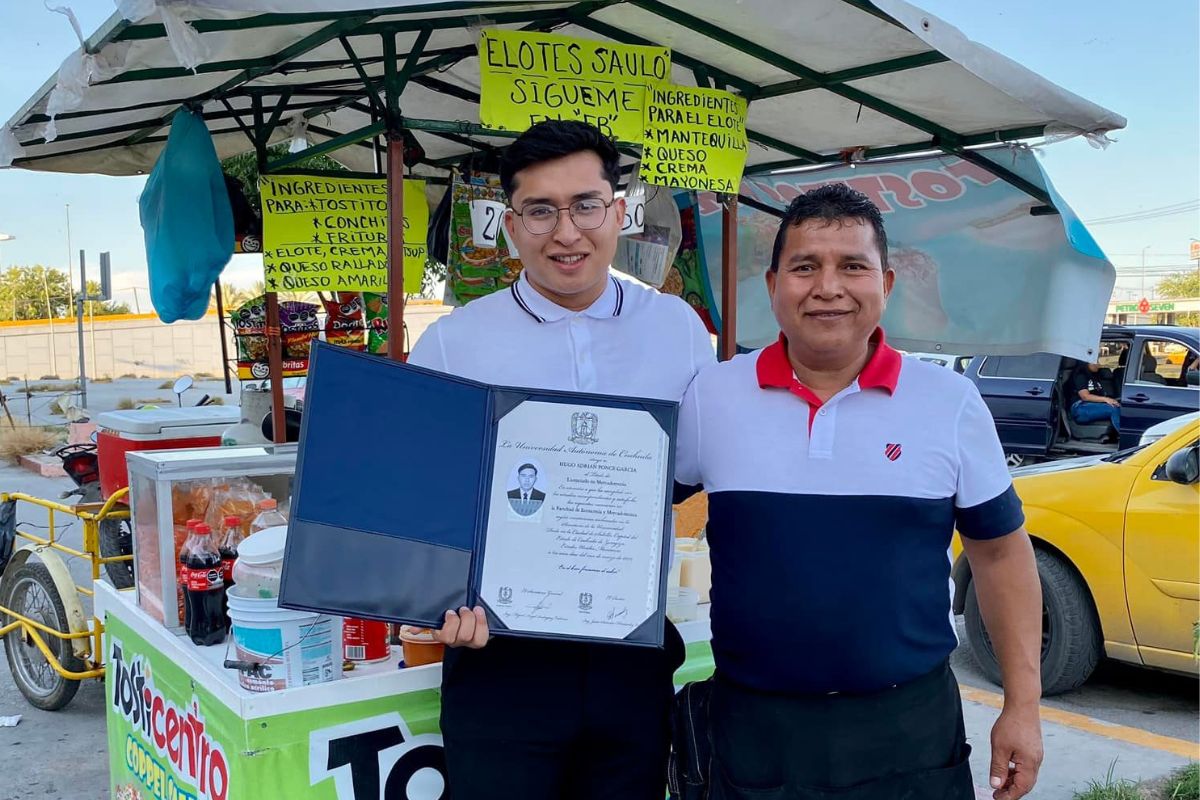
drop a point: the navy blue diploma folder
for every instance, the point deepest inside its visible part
(389, 511)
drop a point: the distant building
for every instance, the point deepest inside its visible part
(1150, 312)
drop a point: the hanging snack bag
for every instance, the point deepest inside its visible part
(299, 323)
(344, 323)
(377, 322)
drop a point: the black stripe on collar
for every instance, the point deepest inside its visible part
(516, 293)
(620, 296)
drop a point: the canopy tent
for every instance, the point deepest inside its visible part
(828, 82)
(823, 77)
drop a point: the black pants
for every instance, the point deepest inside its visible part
(548, 720)
(904, 743)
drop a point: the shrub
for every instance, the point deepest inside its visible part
(23, 440)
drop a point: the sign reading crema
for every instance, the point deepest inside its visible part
(694, 139)
(329, 233)
(530, 77)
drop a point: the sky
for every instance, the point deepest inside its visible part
(1139, 60)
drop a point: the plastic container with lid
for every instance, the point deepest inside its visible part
(420, 648)
(683, 604)
(695, 568)
(259, 564)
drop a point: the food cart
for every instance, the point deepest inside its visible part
(393, 88)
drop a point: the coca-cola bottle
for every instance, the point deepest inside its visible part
(179, 578)
(231, 537)
(203, 588)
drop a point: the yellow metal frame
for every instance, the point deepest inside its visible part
(84, 635)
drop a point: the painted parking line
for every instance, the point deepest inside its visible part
(1109, 730)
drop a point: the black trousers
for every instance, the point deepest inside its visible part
(903, 743)
(548, 720)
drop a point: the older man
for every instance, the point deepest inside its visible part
(837, 472)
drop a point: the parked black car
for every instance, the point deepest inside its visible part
(1153, 369)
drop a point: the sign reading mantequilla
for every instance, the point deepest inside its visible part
(329, 233)
(526, 78)
(694, 139)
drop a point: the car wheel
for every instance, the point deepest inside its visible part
(1071, 641)
(1014, 460)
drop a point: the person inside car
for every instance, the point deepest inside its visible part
(1091, 400)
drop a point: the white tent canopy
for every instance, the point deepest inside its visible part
(826, 80)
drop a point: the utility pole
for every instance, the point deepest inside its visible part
(79, 329)
(70, 252)
(50, 320)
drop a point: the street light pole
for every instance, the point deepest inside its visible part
(1144, 249)
(70, 253)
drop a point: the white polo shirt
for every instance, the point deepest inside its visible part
(632, 341)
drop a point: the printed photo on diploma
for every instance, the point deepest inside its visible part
(525, 495)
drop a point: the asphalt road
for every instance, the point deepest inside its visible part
(1158, 702)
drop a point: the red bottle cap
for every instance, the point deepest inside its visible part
(202, 529)
(233, 520)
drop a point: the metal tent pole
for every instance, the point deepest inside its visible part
(727, 343)
(395, 229)
(221, 333)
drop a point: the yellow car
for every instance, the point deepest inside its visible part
(1117, 539)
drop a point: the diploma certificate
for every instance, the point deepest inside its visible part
(574, 536)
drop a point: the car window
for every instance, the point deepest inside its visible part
(1039, 366)
(1167, 363)
(1111, 354)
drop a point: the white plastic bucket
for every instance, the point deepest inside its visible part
(294, 648)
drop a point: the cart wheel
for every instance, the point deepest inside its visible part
(31, 593)
(116, 539)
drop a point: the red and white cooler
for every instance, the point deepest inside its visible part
(121, 432)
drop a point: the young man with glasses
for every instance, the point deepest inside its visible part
(537, 719)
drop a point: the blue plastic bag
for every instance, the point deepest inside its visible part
(187, 221)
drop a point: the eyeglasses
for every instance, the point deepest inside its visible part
(542, 218)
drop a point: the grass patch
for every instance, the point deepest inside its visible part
(128, 403)
(23, 440)
(128, 376)
(206, 376)
(167, 385)
(1184, 784)
(55, 387)
(49, 378)
(216, 401)
(105, 379)
(1111, 788)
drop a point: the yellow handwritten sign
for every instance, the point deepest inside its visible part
(694, 139)
(530, 77)
(329, 234)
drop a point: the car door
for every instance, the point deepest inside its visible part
(1019, 391)
(1162, 561)
(1155, 388)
